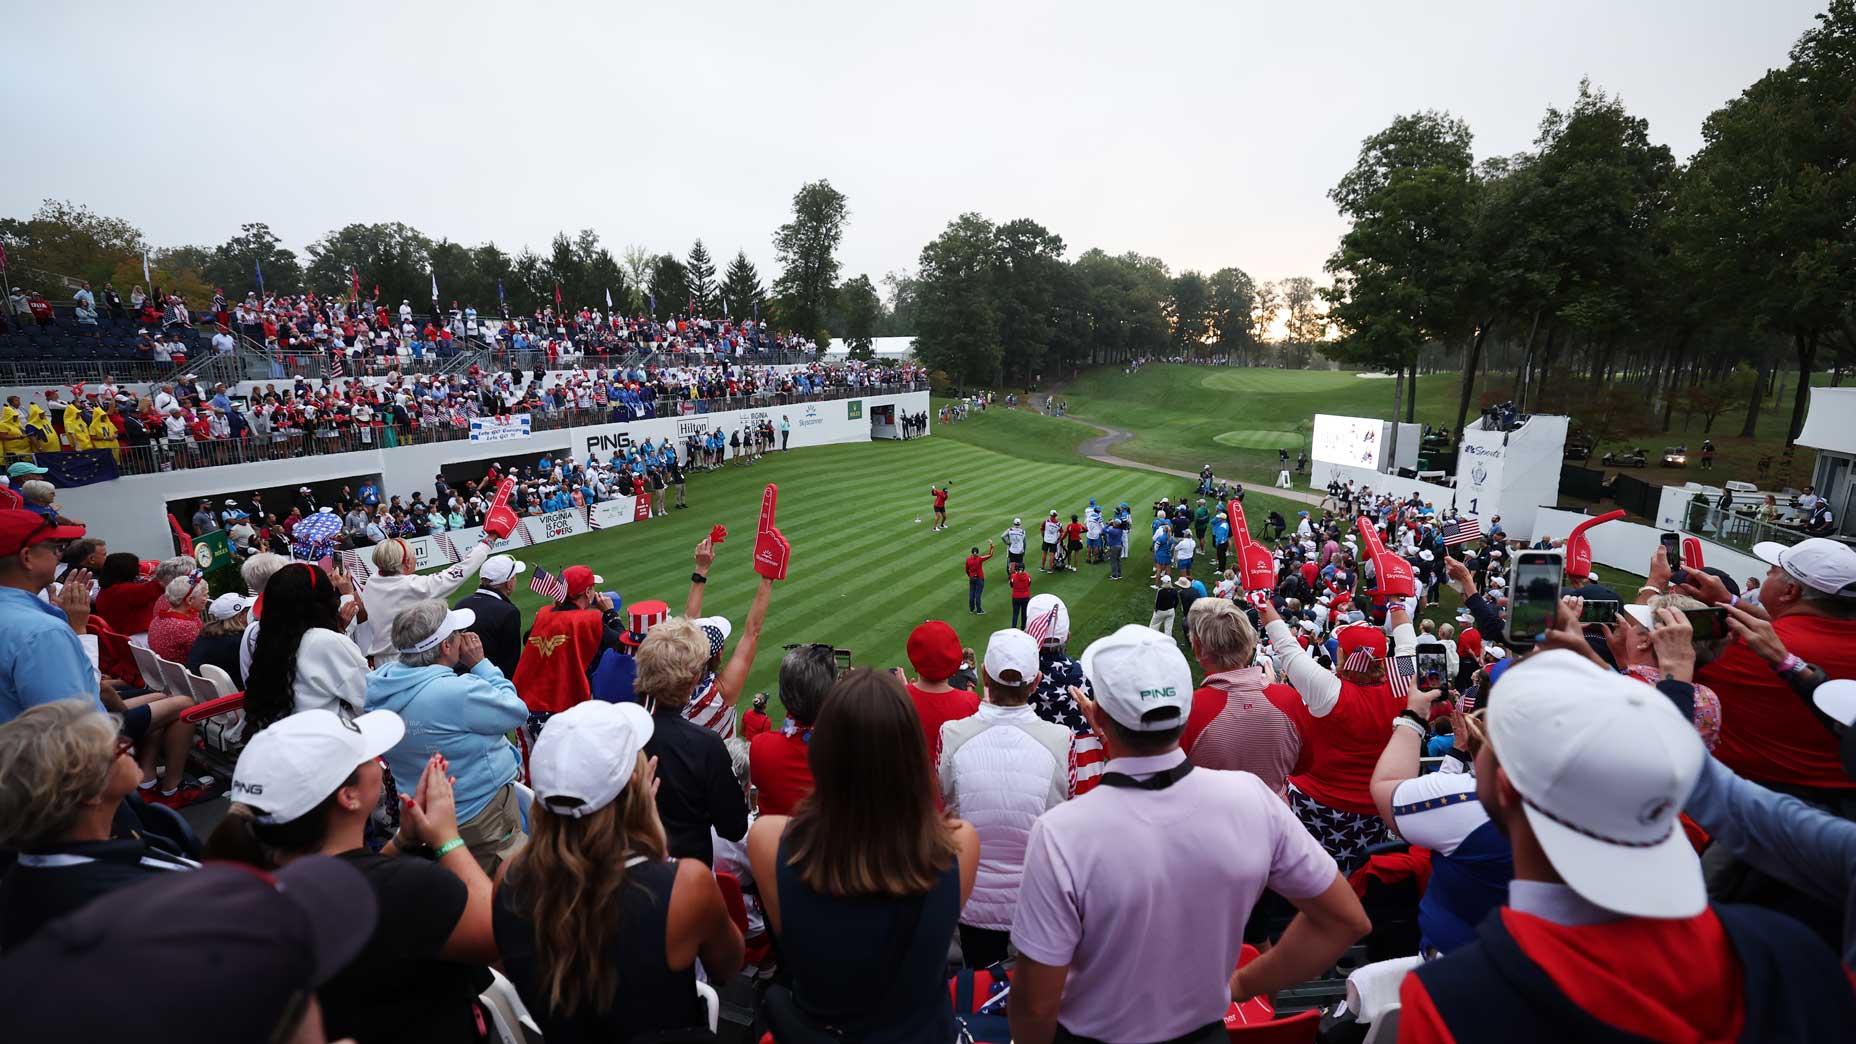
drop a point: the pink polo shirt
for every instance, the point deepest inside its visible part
(1169, 878)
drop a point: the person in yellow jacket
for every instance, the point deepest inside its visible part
(13, 429)
(103, 433)
(39, 431)
(77, 424)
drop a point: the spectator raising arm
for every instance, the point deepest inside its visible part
(735, 674)
(1318, 686)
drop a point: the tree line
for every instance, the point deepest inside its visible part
(999, 304)
(395, 261)
(1597, 264)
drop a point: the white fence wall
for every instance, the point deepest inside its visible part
(1628, 545)
(131, 512)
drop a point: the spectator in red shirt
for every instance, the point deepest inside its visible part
(976, 579)
(125, 600)
(934, 652)
(1768, 734)
(177, 623)
(1021, 592)
(755, 721)
(777, 759)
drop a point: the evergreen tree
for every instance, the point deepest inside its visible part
(670, 286)
(741, 289)
(700, 271)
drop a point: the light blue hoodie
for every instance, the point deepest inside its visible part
(462, 716)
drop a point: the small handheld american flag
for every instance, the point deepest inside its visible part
(1462, 531)
(1041, 626)
(547, 585)
(1404, 676)
(592, 519)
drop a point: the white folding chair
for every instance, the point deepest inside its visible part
(148, 664)
(1384, 1029)
(201, 689)
(222, 681)
(173, 677)
(514, 1025)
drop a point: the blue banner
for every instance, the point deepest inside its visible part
(77, 467)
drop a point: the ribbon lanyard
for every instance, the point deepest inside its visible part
(1157, 781)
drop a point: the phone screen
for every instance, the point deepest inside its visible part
(1599, 610)
(1672, 548)
(1433, 667)
(842, 657)
(1536, 596)
(1709, 624)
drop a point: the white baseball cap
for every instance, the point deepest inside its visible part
(1018, 521)
(295, 764)
(1039, 607)
(498, 568)
(587, 755)
(228, 605)
(1011, 656)
(454, 621)
(1819, 563)
(1604, 765)
(720, 623)
(1837, 698)
(1140, 678)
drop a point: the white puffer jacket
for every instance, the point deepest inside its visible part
(1000, 769)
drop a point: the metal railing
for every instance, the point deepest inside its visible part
(1735, 528)
(163, 454)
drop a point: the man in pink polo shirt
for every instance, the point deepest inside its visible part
(1172, 859)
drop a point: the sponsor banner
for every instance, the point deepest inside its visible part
(499, 429)
(854, 409)
(643, 509)
(615, 512)
(808, 416)
(557, 524)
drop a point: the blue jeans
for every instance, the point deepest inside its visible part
(974, 587)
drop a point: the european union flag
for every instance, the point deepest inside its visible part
(77, 467)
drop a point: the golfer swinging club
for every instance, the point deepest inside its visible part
(940, 505)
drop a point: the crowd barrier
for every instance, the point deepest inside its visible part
(442, 549)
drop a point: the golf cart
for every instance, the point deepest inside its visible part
(1675, 456)
(1633, 459)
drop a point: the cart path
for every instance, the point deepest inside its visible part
(1099, 449)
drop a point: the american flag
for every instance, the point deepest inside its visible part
(547, 585)
(1462, 531)
(1041, 626)
(354, 567)
(1358, 660)
(592, 519)
(337, 368)
(451, 549)
(1404, 676)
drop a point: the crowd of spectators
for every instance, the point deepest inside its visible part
(188, 423)
(1514, 825)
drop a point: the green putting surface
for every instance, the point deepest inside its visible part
(1255, 439)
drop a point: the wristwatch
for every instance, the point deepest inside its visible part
(698, 578)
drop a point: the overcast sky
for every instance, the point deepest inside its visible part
(1204, 134)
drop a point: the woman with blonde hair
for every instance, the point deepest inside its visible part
(697, 791)
(397, 584)
(865, 882)
(64, 771)
(598, 928)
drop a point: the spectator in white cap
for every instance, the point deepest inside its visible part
(498, 621)
(1049, 624)
(1000, 769)
(1768, 735)
(598, 928)
(397, 584)
(1586, 773)
(465, 717)
(1094, 930)
(306, 786)
(219, 640)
